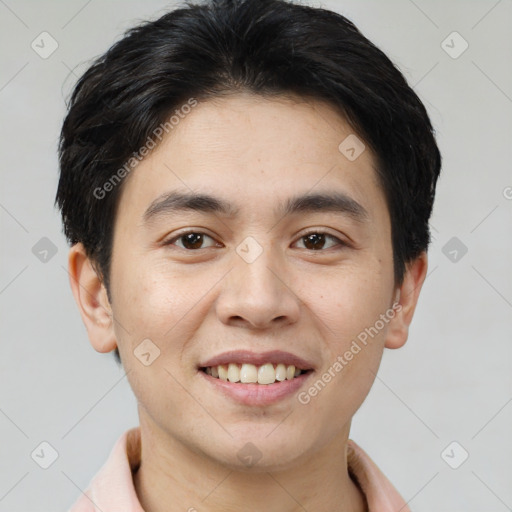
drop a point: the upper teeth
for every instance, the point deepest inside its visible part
(247, 373)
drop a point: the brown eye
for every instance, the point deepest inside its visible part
(316, 240)
(192, 240)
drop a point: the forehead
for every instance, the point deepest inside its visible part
(254, 151)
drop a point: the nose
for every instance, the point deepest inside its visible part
(257, 294)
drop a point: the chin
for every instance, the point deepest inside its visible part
(265, 451)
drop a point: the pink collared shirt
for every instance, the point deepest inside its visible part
(112, 489)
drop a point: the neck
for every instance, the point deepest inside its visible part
(173, 478)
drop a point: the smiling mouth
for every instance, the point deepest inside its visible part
(249, 373)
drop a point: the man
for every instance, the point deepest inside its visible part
(246, 188)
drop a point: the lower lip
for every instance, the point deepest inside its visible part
(258, 394)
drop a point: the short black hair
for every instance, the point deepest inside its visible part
(266, 47)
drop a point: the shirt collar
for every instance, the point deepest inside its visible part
(112, 488)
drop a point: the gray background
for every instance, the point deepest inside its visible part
(451, 381)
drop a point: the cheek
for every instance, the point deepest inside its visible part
(349, 300)
(348, 311)
(153, 305)
(149, 304)
(357, 339)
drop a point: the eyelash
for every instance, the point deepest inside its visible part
(313, 232)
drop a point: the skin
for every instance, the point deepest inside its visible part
(254, 152)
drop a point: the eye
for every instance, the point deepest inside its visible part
(192, 240)
(315, 240)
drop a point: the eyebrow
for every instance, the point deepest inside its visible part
(332, 202)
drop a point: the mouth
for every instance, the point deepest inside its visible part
(247, 373)
(252, 379)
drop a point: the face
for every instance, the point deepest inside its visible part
(198, 282)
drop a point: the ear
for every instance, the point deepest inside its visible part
(91, 297)
(407, 298)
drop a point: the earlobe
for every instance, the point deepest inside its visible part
(407, 296)
(91, 298)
